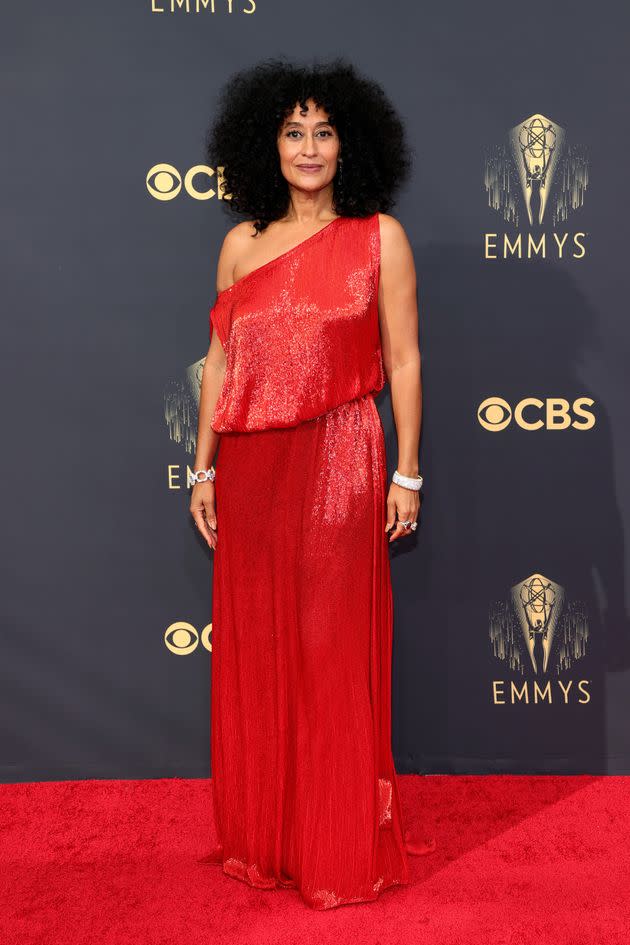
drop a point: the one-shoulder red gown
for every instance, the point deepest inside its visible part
(304, 785)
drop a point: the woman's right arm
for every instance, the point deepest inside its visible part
(202, 499)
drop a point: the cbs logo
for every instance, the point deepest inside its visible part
(182, 638)
(554, 413)
(164, 182)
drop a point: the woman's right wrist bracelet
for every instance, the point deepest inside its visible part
(207, 474)
(408, 482)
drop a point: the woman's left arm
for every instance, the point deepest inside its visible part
(398, 319)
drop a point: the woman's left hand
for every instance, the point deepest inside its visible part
(404, 505)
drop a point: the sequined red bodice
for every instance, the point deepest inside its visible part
(301, 332)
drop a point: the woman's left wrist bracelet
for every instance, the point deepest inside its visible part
(207, 475)
(408, 482)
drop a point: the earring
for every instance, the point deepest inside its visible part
(339, 171)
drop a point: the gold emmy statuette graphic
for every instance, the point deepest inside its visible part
(538, 158)
(537, 627)
(538, 603)
(536, 147)
(181, 406)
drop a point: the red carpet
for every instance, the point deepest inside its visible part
(520, 861)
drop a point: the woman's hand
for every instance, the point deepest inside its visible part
(404, 505)
(202, 509)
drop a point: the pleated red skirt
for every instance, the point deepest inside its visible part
(303, 780)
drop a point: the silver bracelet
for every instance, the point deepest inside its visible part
(408, 482)
(208, 475)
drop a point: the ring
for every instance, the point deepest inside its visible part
(414, 525)
(405, 524)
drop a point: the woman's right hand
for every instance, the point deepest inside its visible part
(203, 510)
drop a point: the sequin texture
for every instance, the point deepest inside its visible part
(292, 354)
(303, 780)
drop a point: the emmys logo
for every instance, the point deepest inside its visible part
(531, 413)
(200, 6)
(538, 175)
(536, 631)
(164, 182)
(183, 639)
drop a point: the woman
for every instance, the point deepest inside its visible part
(315, 308)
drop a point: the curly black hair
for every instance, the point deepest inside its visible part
(254, 103)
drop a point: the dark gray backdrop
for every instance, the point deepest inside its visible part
(106, 308)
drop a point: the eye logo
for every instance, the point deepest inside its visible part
(167, 182)
(181, 638)
(494, 414)
(164, 182)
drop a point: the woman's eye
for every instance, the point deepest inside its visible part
(294, 132)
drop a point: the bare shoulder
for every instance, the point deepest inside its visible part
(397, 266)
(393, 235)
(235, 242)
(396, 251)
(238, 234)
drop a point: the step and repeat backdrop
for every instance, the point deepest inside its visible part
(511, 649)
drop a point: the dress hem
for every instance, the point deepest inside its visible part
(322, 900)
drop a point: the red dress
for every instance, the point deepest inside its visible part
(304, 786)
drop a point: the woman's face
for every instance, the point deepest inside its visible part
(308, 147)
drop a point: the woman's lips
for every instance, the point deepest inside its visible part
(310, 168)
